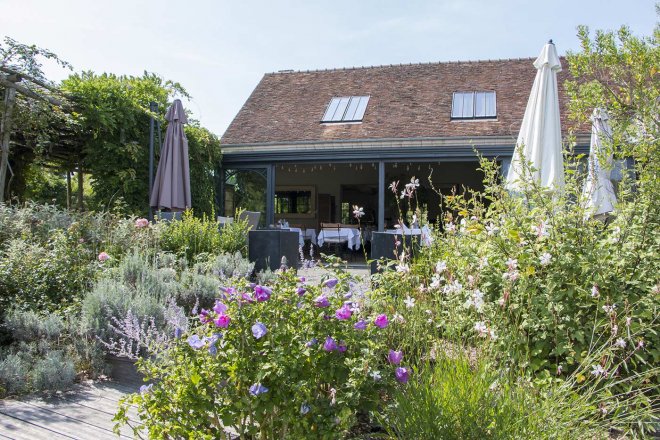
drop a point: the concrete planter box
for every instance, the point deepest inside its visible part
(268, 246)
(123, 370)
(383, 245)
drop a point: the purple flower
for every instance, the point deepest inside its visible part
(178, 332)
(311, 342)
(342, 347)
(262, 293)
(204, 316)
(195, 342)
(394, 357)
(321, 301)
(246, 297)
(146, 388)
(211, 340)
(259, 330)
(213, 350)
(329, 344)
(301, 291)
(330, 283)
(402, 374)
(301, 279)
(219, 307)
(344, 312)
(304, 409)
(257, 389)
(222, 321)
(381, 321)
(360, 325)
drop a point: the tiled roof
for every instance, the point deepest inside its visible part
(407, 101)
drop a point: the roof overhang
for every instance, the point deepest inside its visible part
(396, 149)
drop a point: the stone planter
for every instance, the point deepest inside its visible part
(268, 246)
(383, 245)
(123, 370)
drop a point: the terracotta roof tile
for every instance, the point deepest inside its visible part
(407, 101)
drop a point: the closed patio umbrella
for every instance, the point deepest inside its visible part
(598, 190)
(539, 140)
(171, 189)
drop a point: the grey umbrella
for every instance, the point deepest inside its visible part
(171, 189)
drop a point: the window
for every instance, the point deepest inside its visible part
(295, 201)
(473, 105)
(346, 109)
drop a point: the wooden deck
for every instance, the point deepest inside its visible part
(85, 413)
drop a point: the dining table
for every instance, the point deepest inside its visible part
(352, 234)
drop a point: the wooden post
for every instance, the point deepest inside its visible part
(68, 189)
(5, 131)
(80, 188)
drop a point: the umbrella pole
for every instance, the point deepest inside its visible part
(154, 108)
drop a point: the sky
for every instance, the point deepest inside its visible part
(219, 50)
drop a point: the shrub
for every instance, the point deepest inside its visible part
(52, 372)
(13, 374)
(273, 361)
(31, 326)
(233, 236)
(228, 265)
(191, 236)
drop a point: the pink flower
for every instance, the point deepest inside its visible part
(103, 256)
(381, 321)
(344, 312)
(222, 321)
(141, 223)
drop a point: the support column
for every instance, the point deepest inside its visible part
(5, 131)
(381, 196)
(80, 188)
(270, 195)
(68, 189)
(504, 168)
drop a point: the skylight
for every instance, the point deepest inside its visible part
(346, 109)
(474, 105)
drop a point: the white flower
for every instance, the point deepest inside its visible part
(615, 329)
(501, 301)
(375, 375)
(435, 281)
(656, 289)
(492, 334)
(483, 262)
(545, 259)
(481, 328)
(628, 321)
(595, 293)
(512, 263)
(621, 343)
(454, 287)
(450, 227)
(428, 312)
(541, 230)
(398, 318)
(491, 229)
(409, 302)
(597, 370)
(358, 212)
(476, 300)
(402, 268)
(440, 266)
(609, 309)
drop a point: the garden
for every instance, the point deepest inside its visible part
(525, 318)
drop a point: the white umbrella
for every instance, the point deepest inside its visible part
(598, 189)
(539, 140)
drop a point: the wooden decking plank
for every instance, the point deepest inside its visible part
(16, 429)
(89, 415)
(89, 399)
(60, 423)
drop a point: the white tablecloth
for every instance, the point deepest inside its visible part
(352, 234)
(307, 234)
(425, 233)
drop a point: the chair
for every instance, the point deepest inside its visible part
(334, 234)
(224, 220)
(252, 218)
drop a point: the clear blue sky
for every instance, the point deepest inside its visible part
(219, 50)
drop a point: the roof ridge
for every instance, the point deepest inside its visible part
(381, 66)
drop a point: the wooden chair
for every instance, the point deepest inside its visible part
(336, 236)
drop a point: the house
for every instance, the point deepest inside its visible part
(308, 145)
